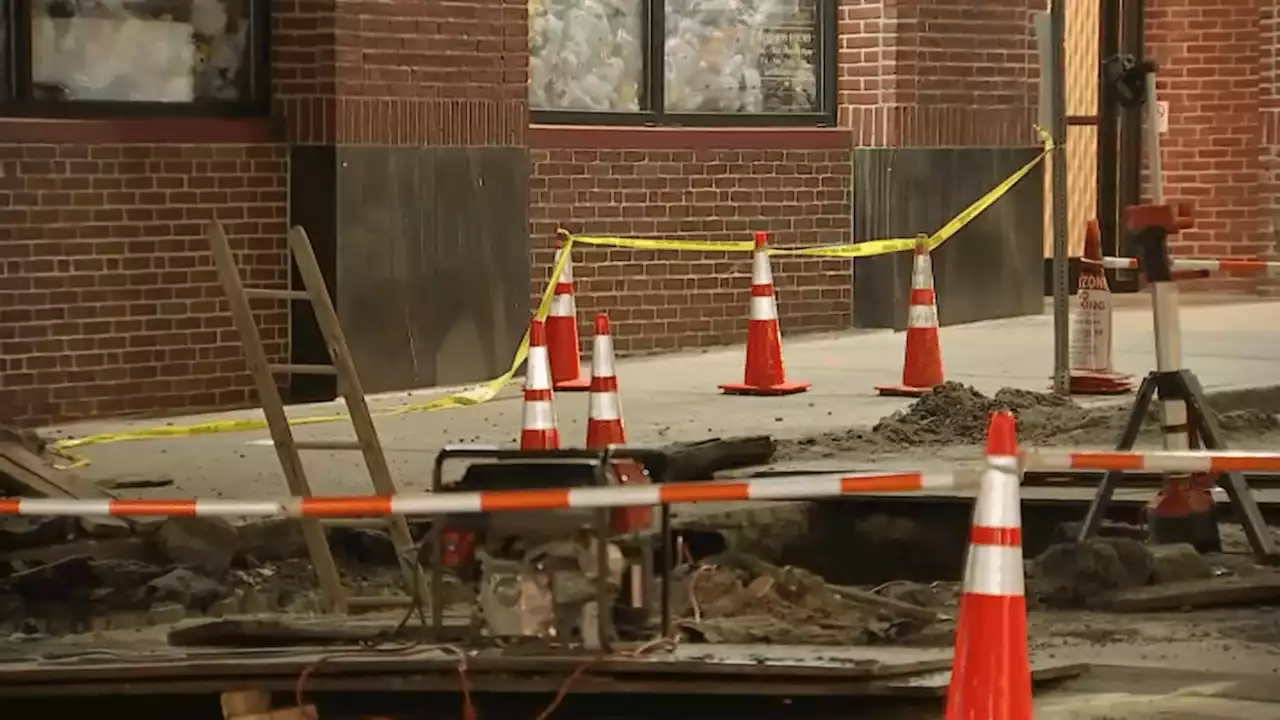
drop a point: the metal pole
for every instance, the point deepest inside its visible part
(1164, 295)
(1061, 249)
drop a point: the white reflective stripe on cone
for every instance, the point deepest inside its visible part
(603, 406)
(566, 275)
(761, 272)
(446, 502)
(538, 372)
(562, 306)
(763, 308)
(602, 356)
(1000, 506)
(995, 570)
(618, 495)
(922, 273)
(797, 488)
(922, 316)
(539, 415)
(235, 508)
(59, 506)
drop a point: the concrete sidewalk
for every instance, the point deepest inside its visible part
(675, 397)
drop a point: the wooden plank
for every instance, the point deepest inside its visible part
(934, 684)
(1262, 588)
(277, 421)
(26, 474)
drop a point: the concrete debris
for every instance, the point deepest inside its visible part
(64, 575)
(734, 598)
(207, 543)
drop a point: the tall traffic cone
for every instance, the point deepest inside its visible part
(538, 430)
(922, 366)
(765, 373)
(1091, 368)
(604, 409)
(562, 333)
(991, 672)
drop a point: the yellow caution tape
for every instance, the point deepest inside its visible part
(870, 248)
(488, 390)
(471, 396)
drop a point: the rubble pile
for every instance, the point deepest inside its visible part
(61, 575)
(736, 598)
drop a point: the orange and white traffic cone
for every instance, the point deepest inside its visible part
(922, 366)
(765, 373)
(538, 430)
(1091, 369)
(991, 672)
(604, 409)
(562, 334)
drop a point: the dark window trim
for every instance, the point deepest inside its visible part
(652, 86)
(16, 93)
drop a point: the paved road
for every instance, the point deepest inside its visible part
(675, 397)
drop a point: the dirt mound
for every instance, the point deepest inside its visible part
(956, 414)
(737, 598)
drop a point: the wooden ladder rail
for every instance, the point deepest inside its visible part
(287, 448)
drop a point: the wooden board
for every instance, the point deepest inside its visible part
(26, 474)
(1262, 588)
(935, 684)
(741, 669)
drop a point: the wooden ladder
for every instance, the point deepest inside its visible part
(335, 596)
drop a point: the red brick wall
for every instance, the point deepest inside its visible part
(938, 72)
(402, 72)
(693, 185)
(108, 301)
(1214, 76)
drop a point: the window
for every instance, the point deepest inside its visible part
(682, 62)
(135, 56)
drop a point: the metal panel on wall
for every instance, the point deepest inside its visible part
(433, 262)
(990, 269)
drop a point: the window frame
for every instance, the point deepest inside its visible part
(15, 94)
(653, 85)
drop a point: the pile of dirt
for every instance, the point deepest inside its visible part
(954, 414)
(736, 598)
(1079, 575)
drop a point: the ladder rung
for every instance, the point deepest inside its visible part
(327, 444)
(298, 369)
(276, 294)
(377, 601)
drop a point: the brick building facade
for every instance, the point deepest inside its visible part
(378, 110)
(1222, 151)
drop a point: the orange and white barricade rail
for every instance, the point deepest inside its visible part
(797, 487)
(1153, 461)
(1212, 265)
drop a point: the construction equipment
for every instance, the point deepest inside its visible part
(1184, 509)
(287, 448)
(578, 577)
